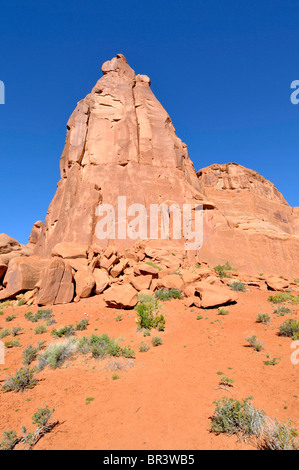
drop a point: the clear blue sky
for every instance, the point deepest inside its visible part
(221, 68)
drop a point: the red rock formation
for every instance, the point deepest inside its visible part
(121, 141)
(254, 228)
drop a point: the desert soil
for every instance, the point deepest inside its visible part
(163, 399)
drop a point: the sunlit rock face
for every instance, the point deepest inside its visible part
(121, 142)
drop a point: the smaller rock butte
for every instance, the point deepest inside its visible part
(119, 136)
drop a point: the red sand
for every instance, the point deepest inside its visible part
(165, 400)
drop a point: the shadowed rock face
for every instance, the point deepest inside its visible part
(121, 142)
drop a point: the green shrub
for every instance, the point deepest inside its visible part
(119, 318)
(12, 344)
(255, 343)
(153, 265)
(82, 325)
(10, 318)
(56, 354)
(30, 353)
(263, 318)
(21, 302)
(40, 329)
(281, 311)
(148, 317)
(42, 415)
(63, 331)
(42, 314)
(227, 381)
(290, 328)
(23, 378)
(9, 439)
(144, 347)
(157, 341)
(238, 286)
(282, 297)
(5, 332)
(279, 436)
(167, 294)
(222, 311)
(16, 330)
(271, 362)
(221, 270)
(232, 416)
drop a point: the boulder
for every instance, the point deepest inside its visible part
(171, 281)
(101, 279)
(118, 268)
(277, 283)
(23, 274)
(141, 282)
(121, 296)
(144, 268)
(214, 296)
(85, 282)
(70, 250)
(56, 286)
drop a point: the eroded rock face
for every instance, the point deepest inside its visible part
(253, 228)
(118, 136)
(121, 141)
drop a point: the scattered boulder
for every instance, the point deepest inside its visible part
(101, 280)
(121, 296)
(171, 281)
(277, 283)
(141, 282)
(56, 286)
(70, 250)
(118, 268)
(23, 274)
(85, 282)
(214, 296)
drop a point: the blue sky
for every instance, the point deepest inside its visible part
(222, 69)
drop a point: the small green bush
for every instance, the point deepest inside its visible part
(144, 347)
(42, 415)
(56, 354)
(9, 439)
(16, 330)
(5, 332)
(222, 311)
(263, 318)
(232, 416)
(10, 318)
(168, 294)
(255, 343)
(279, 436)
(82, 325)
(153, 265)
(12, 344)
(281, 311)
(40, 329)
(227, 381)
(42, 314)
(221, 270)
(23, 378)
(148, 317)
(238, 286)
(290, 328)
(157, 341)
(21, 302)
(63, 331)
(30, 353)
(282, 297)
